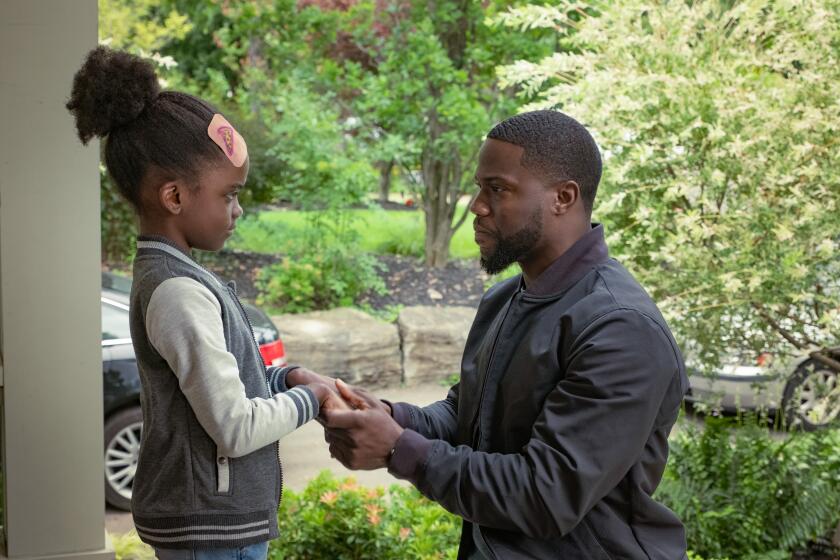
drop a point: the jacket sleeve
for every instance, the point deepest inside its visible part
(275, 376)
(437, 421)
(592, 429)
(184, 324)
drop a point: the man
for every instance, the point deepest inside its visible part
(553, 441)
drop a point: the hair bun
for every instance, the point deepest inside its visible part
(110, 90)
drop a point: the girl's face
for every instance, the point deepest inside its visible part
(211, 209)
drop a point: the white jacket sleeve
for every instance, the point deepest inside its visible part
(184, 324)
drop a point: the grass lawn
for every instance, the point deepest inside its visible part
(380, 231)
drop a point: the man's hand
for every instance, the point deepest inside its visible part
(360, 399)
(362, 438)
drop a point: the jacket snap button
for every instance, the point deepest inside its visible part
(222, 460)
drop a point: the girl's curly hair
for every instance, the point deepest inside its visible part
(117, 96)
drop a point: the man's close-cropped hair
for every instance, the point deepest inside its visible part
(556, 147)
(117, 95)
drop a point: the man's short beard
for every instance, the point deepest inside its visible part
(513, 248)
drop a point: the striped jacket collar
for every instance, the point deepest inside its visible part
(160, 243)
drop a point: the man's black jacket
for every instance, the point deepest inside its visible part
(556, 436)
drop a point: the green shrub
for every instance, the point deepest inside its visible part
(389, 313)
(118, 224)
(341, 520)
(451, 379)
(409, 243)
(128, 546)
(745, 494)
(333, 278)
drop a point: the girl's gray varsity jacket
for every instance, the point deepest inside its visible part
(209, 474)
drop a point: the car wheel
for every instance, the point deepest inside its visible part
(811, 399)
(123, 431)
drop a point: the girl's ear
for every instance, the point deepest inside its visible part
(169, 196)
(564, 195)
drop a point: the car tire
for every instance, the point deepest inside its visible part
(809, 400)
(123, 431)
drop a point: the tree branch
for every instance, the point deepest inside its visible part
(786, 334)
(466, 212)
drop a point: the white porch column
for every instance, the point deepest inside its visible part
(49, 289)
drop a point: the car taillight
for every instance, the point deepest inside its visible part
(273, 353)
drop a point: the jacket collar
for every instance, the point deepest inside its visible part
(588, 252)
(160, 243)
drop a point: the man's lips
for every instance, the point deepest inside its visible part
(483, 236)
(482, 231)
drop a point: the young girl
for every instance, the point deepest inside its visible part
(208, 480)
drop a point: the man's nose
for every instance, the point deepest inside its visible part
(479, 207)
(237, 210)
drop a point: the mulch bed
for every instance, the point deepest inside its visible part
(408, 280)
(411, 282)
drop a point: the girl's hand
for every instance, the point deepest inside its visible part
(328, 397)
(304, 376)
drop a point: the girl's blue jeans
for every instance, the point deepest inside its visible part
(257, 551)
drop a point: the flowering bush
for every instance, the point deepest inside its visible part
(338, 519)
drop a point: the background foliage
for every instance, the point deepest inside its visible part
(744, 494)
(722, 169)
(717, 121)
(335, 518)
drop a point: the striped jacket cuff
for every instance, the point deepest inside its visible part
(276, 377)
(306, 403)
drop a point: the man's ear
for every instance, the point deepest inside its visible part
(565, 194)
(170, 196)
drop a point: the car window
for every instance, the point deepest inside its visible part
(257, 317)
(114, 323)
(116, 282)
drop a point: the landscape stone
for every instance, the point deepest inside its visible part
(344, 343)
(433, 340)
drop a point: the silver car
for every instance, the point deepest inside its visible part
(804, 391)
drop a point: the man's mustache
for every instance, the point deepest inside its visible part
(483, 230)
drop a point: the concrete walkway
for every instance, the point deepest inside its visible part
(305, 453)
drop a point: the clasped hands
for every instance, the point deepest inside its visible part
(357, 426)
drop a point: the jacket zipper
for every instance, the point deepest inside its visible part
(487, 373)
(481, 400)
(254, 341)
(267, 386)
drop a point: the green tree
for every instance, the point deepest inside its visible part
(409, 84)
(419, 78)
(718, 122)
(139, 27)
